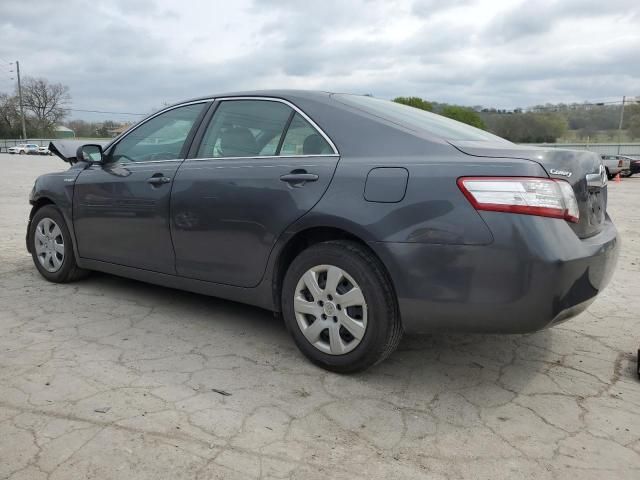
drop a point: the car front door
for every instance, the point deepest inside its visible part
(121, 207)
(260, 165)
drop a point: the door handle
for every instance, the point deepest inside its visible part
(158, 179)
(302, 177)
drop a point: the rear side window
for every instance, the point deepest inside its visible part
(245, 128)
(417, 120)
(303, 139)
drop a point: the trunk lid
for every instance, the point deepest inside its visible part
(582, 169)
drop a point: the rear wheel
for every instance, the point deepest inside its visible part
(340, 307)
(51, 246)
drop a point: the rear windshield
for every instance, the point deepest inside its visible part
(418, 120)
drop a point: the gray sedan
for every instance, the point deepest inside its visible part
(357, 219)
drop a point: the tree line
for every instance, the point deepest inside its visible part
(46, 106)
(542, 123)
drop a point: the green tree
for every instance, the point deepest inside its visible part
(550, 127)
(103, 130)
(464, 115)
(530, 127)
(634, 126)
(632, 120)
(82, 128)
(415, 102)
(9, 116)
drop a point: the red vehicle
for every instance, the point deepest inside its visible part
(634, 167)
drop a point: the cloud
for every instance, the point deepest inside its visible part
(134, 55)
(528, 18)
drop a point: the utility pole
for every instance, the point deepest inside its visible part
(24, 128)
(624, 98)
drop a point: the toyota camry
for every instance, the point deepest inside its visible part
(358, 219)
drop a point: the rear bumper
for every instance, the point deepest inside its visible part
(535, 274)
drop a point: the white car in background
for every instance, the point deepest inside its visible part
(615, 164)
(29, 148)
(44, 150)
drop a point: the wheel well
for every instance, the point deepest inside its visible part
(38, 204)
(303, 240)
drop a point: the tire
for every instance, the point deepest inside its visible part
(378, 313)
(67, 270)
(21, 152)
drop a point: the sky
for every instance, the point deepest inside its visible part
(136, 55)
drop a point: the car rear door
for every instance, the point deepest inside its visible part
(121, 207)
(258, 165)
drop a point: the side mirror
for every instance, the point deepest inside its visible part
(89, 153)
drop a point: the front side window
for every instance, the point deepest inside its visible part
(245, 128)
(160, 138)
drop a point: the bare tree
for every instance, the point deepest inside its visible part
(46, 101)
(9, 115)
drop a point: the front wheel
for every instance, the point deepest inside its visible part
(340, 307)
(51, 248)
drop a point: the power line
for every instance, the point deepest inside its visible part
(102, 111)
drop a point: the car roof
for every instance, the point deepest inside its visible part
(285, 94)
(354, 131)
(334, 119)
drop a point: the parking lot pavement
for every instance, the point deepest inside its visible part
(111, 378)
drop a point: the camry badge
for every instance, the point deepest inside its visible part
(563, 173)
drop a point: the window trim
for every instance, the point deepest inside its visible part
(109, 148)
(285, 131)
(295, 109)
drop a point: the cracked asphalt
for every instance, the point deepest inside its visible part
(112, 378)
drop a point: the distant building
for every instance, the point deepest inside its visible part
(63, 132)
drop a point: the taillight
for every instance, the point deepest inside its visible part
(620, 163)
(526, 195)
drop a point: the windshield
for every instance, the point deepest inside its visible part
(418, 120)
